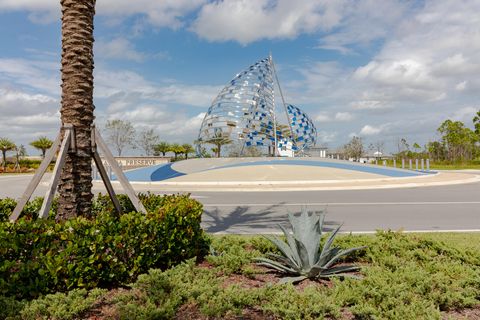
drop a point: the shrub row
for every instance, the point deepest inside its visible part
(44, 256)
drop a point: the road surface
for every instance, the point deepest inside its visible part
(440, 208)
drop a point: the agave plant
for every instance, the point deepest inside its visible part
(302, 255)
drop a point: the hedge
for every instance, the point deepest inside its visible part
(44, 256)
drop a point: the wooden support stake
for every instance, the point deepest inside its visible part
(35, 180)
(106, 182)
(52, 187)
(119, 173)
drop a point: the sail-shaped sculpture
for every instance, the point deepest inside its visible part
(304, 130)
(244, 111)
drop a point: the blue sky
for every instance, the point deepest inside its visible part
(382, 70)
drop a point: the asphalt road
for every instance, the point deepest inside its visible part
(442, 208)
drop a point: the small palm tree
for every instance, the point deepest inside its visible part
(218, 140)
(176, 149)
(43, 144)
(188, 149)
(162, 147)
(6, 145)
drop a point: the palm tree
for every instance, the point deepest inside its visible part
(188, 149)
(6, 145)
(176, 149)
(75, 187)
(162, 147)
(218, 140)
(42, 143)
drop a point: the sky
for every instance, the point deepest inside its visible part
(381, 70)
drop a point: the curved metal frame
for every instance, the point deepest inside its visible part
(245, 111)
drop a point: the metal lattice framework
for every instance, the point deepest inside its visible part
(304, 131)
(245, 111)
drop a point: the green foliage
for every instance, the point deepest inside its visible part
(406, 276)
(458, 140)
(187, 148)
(43, 256)
(65, 306)
(10, 307)
(162, 147)
(6, 145)
(176, 149)
(42, 144)
(302, 256)
(230, 254)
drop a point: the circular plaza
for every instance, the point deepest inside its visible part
(295, 174)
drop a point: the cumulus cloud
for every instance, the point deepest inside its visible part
(432, 53)
(369, 130)
(323, 117)
(124, 49)
(119, 48)
(246, 21)
(165, 13)
(343, 116)
(25, 116)
(41, 75)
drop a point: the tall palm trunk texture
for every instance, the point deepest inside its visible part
(75, 187)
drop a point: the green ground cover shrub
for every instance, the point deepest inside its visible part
(405, 276)
(44, 256)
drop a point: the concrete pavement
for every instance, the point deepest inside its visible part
(454, 207)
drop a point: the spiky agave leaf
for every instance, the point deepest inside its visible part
(304, 245)
(293, 246)
(339, 270)
(292, 279)
(308, 231)
(281, 259)
(276, 265)
(341, 254)
(284, 248)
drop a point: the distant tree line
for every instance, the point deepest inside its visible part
(456, 143)
(122, 135)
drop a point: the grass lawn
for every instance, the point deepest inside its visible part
(403, 276)
(454, 166)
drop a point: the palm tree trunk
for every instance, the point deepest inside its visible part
(75, 187)
(4, 158)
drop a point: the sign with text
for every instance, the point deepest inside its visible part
(138, 162)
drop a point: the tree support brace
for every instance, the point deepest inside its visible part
(68, 145)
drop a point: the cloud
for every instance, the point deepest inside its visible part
(431, 54)
(25, 116)
(323, 117)
(369, 130)
(119, 48)
(325, 137)
(363, 22)
(127, 86)
(123, 49)
(338, 117)
(165, 13)
(247, 21)
(465, 114)
(40, 75)
(370, 105)
(343, 116)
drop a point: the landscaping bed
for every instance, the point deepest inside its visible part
(403, 276)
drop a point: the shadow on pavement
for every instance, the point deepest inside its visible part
(254, 220)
